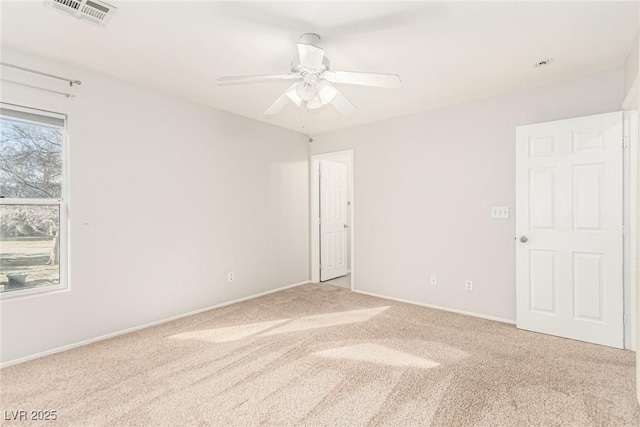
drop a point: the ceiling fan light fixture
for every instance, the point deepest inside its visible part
(326, 92)
(315, 103)
(306, 90)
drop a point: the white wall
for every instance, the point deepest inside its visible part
(631, 65)
(174, 195)
(425, 184)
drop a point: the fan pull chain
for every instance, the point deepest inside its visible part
(309, 125)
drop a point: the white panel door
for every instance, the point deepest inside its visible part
(569, 246)
(333, 220)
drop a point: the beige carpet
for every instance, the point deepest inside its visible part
(321, 355)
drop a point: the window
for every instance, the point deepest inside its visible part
(32, 201)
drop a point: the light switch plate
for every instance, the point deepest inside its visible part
(501, 212)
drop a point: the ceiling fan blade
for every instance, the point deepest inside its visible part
(282, 101)
(342, 104)
(256, 79)
(391, 81)
(310, 56)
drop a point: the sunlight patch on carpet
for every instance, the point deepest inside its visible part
(327, 320)
(376, 353)
(231, 333)
(280, 326)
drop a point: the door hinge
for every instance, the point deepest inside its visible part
(320, 221)
(626, 141)
(320, 266)
(625, 231)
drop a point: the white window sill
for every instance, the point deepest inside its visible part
(17, 293)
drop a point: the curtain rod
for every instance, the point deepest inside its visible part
(68, 95)
(29, 70)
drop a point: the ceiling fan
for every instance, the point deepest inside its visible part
(314, 80)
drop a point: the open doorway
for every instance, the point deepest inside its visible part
(332, 214)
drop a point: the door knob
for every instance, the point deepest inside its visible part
(524, 239)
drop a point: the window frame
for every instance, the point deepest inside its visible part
(61, 202)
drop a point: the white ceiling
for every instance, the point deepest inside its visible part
(445, 52)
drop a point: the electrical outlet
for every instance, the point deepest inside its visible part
(230, 276)
(468, 285)
(434, 280)
(500, 212)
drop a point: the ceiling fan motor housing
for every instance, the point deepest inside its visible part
(310, 38)
(296, 67)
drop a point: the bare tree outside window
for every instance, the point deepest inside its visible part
(30, 160)
(30, 168)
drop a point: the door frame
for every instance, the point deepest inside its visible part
(314, 212)
(630, 221)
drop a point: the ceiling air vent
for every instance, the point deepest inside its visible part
(94, 11)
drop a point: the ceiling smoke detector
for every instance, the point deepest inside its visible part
(543, 62)
(94, 11)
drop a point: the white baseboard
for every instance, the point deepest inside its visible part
(437, 307)
(146, 325)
